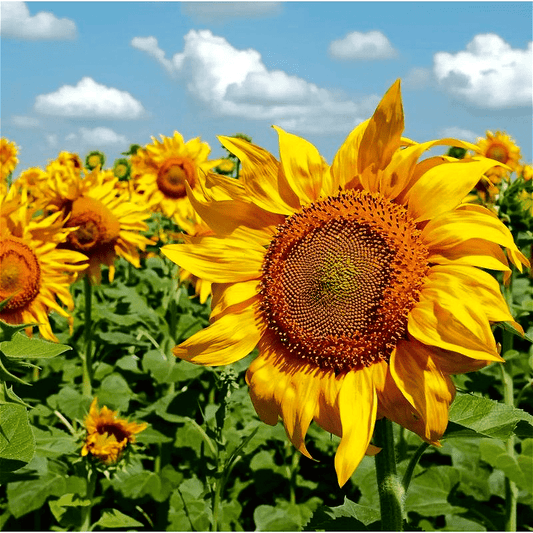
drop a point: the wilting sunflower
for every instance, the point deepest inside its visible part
(33, 271)
(8, 158)
(107, 435)
(360, 283)
(160, 171)
(500, 147)
(107, 223)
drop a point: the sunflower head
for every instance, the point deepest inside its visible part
(502, 148)
(107, 435)
(94, 159)
(70, 160)
(360, 282)
(8, 158)
(121, 169)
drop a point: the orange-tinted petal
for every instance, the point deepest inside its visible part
(229, 297)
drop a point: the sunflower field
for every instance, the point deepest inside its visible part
(269, 342)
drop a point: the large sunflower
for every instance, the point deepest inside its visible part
(33, 271)
(360, 283)
(160, 171)
(107, 223)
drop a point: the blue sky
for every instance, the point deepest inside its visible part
(79, 76)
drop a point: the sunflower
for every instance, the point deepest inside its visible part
(161, 170)
(107, 223)
(500, 147)
(360, 283)
(8, 158)
(107, 435)
(34, 272)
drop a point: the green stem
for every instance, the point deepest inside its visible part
(86, 511)
(511, 492)
(87, 359)
(391, 491)
(412, 464)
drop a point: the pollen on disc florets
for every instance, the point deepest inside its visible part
(20, 274)
(340, 277)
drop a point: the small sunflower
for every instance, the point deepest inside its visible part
(8, 158)
(500, 147)
(107, 223)
(526, 171)
(34, 272)
(360, 283)
(162, 170)
(95, 159)
(121, 169)
(108, 436)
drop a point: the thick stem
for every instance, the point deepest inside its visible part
(391, 491)
(86, 511)
(87, 358)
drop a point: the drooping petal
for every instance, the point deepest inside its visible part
(424, 385)
(232, 296)
(303, 166)
(357, 404)
(443, 187)
(227, 340)
(216, 259)
(260, 177)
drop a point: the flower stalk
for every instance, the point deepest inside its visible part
(87, 357)
(391, 490)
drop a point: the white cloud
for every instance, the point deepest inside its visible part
(16, 21)
(357, 45)
(237, 83)
(221, 11)
(97, 137)
(52, 140)
(488, 74)
(418, 78)
(25, 122)
(89, 99)
(459, 133)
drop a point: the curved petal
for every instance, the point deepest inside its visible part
(358, 403)
(303, 166)
(237, 218)
(227, 340)
(283, 386)
(218, 187)
(461, 330)
(343, 170)
(260, 177)
(473, 252)
(455, 363)
(232, 296)
(424, 385)
(215, 259)
(382, 136)
(443, 187)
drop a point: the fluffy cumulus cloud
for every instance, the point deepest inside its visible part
(209, 12)
(89, 99)
(488, 74)
(237, 83)
(16, 22)
(97, 138)
(357, 45)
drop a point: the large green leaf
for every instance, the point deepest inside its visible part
(22, 347)
(17, 443)
(113, 518)
(478, 416)
(349, 516)
(66, 509)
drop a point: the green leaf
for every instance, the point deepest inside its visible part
(8, 330)
(70, 403)
(17, 444)
(269, 518)
(53, 442)
(7, 396)
(349, 516)
(65, 509)
(163, 368)
(459, 523)
(113, 518)
(115, 392)
(495, 453)
(477, 416)
(428, 493)
(22, 347)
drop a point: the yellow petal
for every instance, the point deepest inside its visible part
(357, 402)
(227, 340)
(232, 296)
(443, 187)
(382, 136)
(303, 166)
(260, 177)
(424, 385)
(214, 260)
